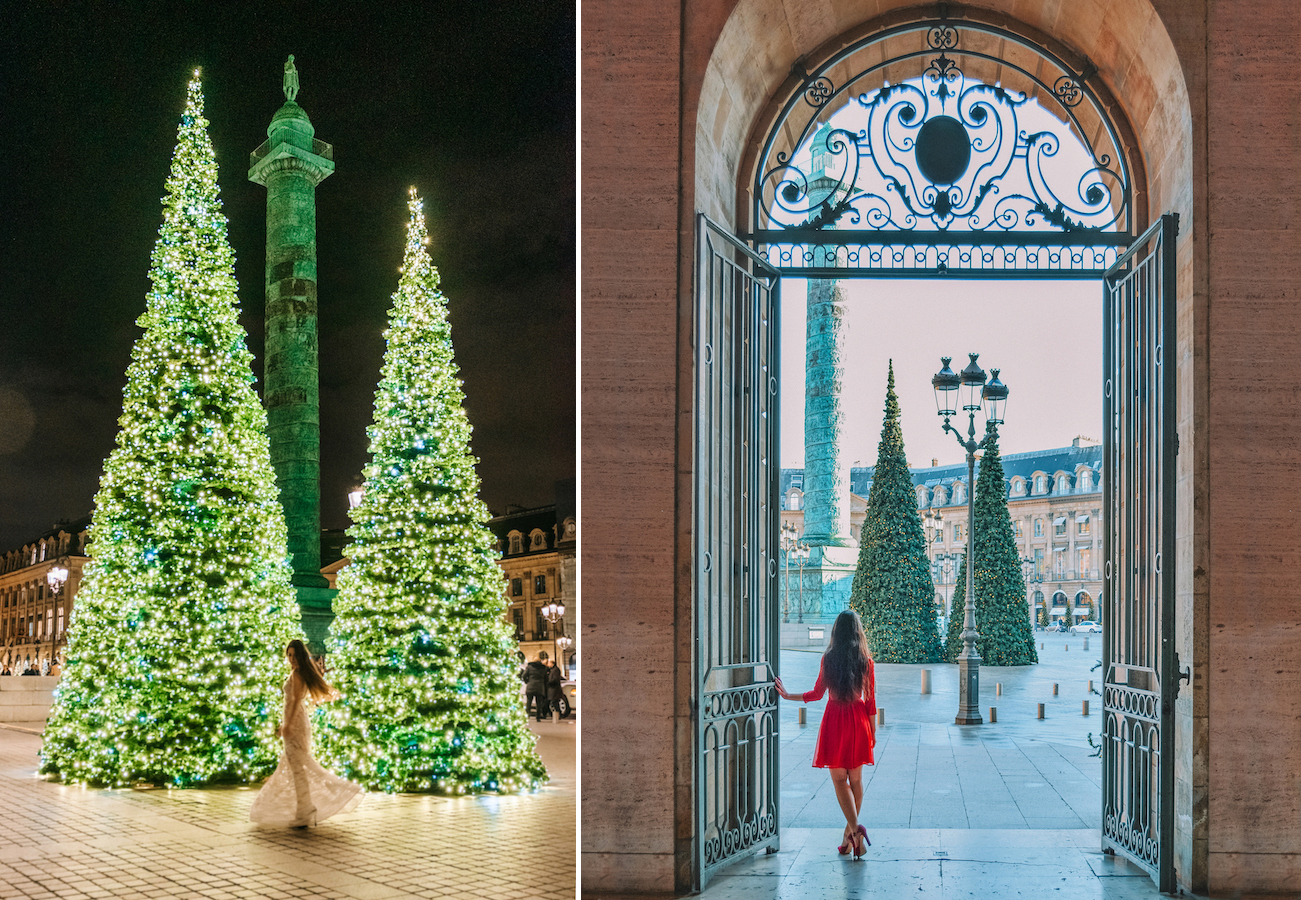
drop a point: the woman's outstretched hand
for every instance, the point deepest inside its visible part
(785, 694)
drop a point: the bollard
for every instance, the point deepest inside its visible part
(1066, 646)
(1054, 689)
(926, 681)
(1041, 710)
(1041, 646)
(804, 715)
(1090, 685)
(1086, 643)
(1086, 707)
(993, 714)
(880, 716)
(998, 689)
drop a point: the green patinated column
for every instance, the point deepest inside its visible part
(290, 165)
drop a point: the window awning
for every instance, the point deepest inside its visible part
(1057, 611)
(1060, 520)
(1082, 517)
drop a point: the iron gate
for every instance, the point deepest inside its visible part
(735, 550)
(1140, 683)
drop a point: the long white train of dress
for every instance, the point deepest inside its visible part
(301, 791)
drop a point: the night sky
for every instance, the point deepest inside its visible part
(473, 103)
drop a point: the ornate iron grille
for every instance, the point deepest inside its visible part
(1139, 685)
(735, 550)
(943, 173)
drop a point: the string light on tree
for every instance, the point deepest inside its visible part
(176, 646)
(421, 650)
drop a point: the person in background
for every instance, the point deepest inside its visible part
(554, 677)
(535, 685)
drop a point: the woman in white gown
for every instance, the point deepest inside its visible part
(301, 792)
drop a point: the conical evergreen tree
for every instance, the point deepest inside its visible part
(423, 655)
(892, 589)
(1002, 617)
(176, 646)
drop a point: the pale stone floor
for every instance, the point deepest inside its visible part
(1005, 810)
(65, 843)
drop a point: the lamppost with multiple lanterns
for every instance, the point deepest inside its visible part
(933, 525)
(791, 544)
(563, 643)
(553, 612)
(975, 390)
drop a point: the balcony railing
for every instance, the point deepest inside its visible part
(320, 148)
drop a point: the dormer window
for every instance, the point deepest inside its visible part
(794, 500)
(939, 496)
(516, 542)
(1063, 484)
(1018, 487)
(1040, 484)
(959, 493)
(921, 497)
(1086, 481)
(537, 539)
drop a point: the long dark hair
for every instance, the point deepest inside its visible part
(316, 685)
(846, 657)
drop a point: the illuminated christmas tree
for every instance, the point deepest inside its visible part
(892, 587)
(176, 647)
(422, 653)
(1002, 613)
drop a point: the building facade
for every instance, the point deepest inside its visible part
(35, 609)
(1054, 498)
(538, 561)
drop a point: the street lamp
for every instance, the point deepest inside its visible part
(933, 524)
(790, 543)
(1032, 578)
(57, 577)
(974, 390)
(564, 643)
(354, 497)
(552, 612)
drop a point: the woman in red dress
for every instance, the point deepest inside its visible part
(847, 735)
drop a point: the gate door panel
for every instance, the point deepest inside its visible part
(734, 566)
(1140, 681)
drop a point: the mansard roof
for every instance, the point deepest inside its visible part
(1062, 459)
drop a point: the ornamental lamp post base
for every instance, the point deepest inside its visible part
(968, 691)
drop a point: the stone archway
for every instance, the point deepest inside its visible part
(759, 59)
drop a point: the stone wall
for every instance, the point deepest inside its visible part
(27, 698)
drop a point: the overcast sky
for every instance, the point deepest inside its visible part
(473, 103)
(1045, 336)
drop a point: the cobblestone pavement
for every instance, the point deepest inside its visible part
(68, 843)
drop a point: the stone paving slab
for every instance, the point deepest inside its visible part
(1020, 772)
(936, 863)
(71, 843)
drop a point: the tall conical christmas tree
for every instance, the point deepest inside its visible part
(892, 589)
(422, 652)
(176, 645)
(1002, 616)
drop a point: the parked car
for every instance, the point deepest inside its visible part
(1088, 627)
(568, 698)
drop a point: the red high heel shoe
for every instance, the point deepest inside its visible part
(862, 832)
(846, 846)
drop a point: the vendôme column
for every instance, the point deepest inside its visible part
(828, 576)
(290, 165)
